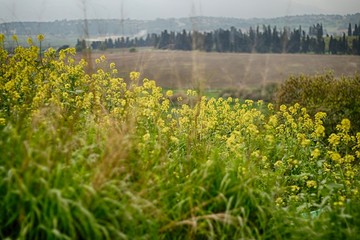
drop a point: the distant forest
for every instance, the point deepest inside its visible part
(265, 39)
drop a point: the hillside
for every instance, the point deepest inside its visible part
(67, 31)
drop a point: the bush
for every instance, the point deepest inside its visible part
(338, 97)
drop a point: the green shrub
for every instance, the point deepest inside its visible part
(338, 97)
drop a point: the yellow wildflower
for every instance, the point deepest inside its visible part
(355, 191)
(270, 106)
(29, 41)
(15, 38)
(334, 139)
(134, 76)
(169, 93)
(278, 164)
(350, 174)
(294, 188)
(269, 139)
(40, 37)
(311, 184)
(316, 153)
(319, 117)
(2, 121)
(336, 157)
(319, 131)
(174, 140)
(279, 201)
(102, 58)
(112, 65)
(249, 102)
(190, 92)
(349, 158)
(146, 137)
(344, 126)
(283, 108)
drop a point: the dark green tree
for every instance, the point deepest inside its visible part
(294, 41)
(284, 40)
(356, 31)
(80, 45)
(208, 42)
(349, 30)
(332, 45)
(276, 46)
(164, 40)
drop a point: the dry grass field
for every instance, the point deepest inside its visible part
(180, 69)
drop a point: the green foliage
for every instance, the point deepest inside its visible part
(100, 157)
(338, 97)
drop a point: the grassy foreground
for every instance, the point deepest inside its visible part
(100, 157)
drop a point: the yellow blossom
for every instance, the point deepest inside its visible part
(334, 139)
(146, 137)
(319, 116)
(270, 106)
(355, 192)
(316, 153)
(311, 184)
(279, 201)
(102, 58)
(134, 76)
(278, 164)
(283, 108)
(40, 37)
(319, 131)
(336, 157)
(350, 174)
(349, 158)
(190, 92)
(174, 140)
(294, 188)
(15, 38)
(344, 126)
(249, 102)
(30, 41)
(169, 93)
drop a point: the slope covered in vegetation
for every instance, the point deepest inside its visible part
(100, 157)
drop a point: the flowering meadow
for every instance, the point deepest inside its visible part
(95, 156)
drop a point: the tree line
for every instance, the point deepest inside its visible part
(265, 39)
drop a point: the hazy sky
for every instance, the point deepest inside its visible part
(45, 10)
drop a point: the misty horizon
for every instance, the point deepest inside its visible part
(43, 10)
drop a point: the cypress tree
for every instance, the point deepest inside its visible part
(276, 42)
(356, 30)
(349, 30)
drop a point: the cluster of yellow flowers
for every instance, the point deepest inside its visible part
(288, 145)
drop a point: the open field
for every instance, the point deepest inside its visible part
(179, 69)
